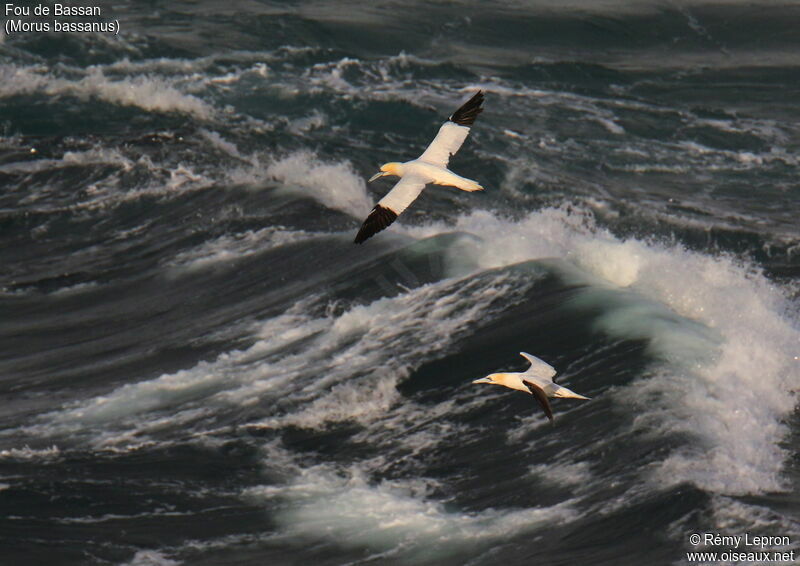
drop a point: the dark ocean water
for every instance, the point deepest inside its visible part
(198, 367)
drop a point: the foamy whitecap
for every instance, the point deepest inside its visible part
(150, 558)
(175, 180)
(27, 453)
(736, 516)
(729, 369)
(93, 156)
(395, 515)
(563, 474)
(155, 94)
(236, 246)
(346, 366)
(361, 355)
(721, 333)
(336, 185)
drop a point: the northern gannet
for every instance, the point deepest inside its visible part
(430, 167)
(536, 380)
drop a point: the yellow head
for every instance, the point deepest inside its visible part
(510, 380)
(393, 168)
(494, 379)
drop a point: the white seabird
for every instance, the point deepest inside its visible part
(430, 167)
(536, 380)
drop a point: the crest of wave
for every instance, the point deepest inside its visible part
(323, 368)
(729, 388)
(151, 93)
(336, 185)
(390, 516)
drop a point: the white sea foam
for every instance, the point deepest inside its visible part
(397, 516)
(94, 156)
(719, 329)
(76, 289)
(221, 143)
(727, 348)
(363, 353)
(94, 519)
(333, 184)
(137, 398)
(179, 179)
(313, 121)
(662, 157)
(609, 124)
(336, 185)
(237, 246)
(563, 474)
(735, 516)
(26, 453)
(150, 558)
(729, 369)
(346, 369)
(155, 94)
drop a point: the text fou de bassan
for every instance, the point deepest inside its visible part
(17, 21)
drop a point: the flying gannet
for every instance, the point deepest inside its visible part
(536, 380)
(430, 167)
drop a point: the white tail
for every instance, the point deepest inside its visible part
(470, 186)
(457, 181)
(565, 393)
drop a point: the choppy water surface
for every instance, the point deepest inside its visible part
(199, 367)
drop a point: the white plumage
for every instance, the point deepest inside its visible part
(428, 168)
(447, 142)
(404, 193)
(536, 380)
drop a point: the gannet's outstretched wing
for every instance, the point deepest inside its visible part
(453, 132)
(391, 206)
(542, 398)
(539, 368)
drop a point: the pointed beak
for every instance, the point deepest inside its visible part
(376, 175)
(483, 380)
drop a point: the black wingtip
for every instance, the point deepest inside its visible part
(378, 219)
(465, 116)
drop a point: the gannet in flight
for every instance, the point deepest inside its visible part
(536, 380)
(430, 167)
